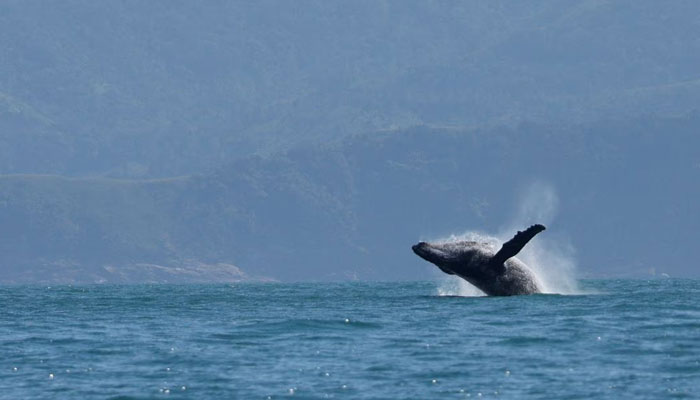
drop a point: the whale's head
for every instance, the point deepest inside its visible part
(452, 257)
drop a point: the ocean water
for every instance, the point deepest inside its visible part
(623, 339)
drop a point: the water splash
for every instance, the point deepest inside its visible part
(551, 258)
(538, 202)
(455, 286)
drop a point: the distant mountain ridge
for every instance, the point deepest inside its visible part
(627, 204)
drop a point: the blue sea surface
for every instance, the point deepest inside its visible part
(625, 339)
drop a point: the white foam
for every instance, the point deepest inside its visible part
(550, 257)
(455, 286)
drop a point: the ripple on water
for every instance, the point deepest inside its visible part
(389, 340)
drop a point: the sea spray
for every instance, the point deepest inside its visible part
(452, 285)
(537, 202)
(550, 257)
(553, 265)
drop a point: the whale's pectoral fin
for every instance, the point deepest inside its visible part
(513, 246)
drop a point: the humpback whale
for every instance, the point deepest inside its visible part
(496, 274)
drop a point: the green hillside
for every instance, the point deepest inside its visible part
(626, 196)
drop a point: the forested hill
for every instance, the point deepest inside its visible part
(622, 193)
(156, 89)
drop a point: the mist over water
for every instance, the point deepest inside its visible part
(551, 258)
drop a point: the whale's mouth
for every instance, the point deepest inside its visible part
(421, 250)
(429, 253)
(434, 254)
